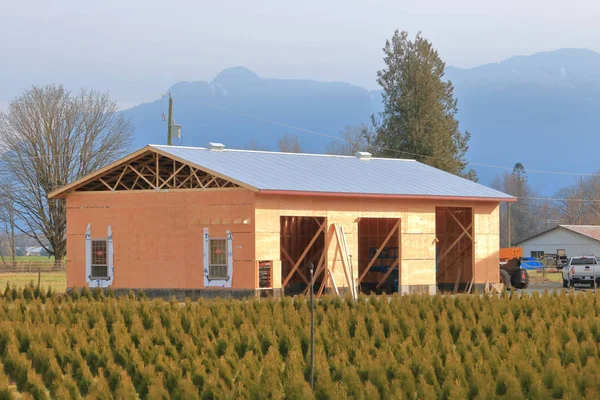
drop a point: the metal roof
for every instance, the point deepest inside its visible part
(590, 231)
(316, 173)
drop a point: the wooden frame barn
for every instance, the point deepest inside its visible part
(213, 221)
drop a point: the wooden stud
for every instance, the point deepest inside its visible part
(457, 281)
(172, 176)
(379, 250)
(142, 176)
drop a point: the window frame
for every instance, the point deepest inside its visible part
(538, 254)
(211, 264)
(92, 264)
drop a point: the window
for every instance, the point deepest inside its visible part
(99, 259)
(217, 268)
(537, 254)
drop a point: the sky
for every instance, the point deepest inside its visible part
(136, 49)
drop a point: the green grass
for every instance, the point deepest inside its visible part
(56, 280)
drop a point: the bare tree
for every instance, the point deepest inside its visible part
(353, 138)
(53, 137)
(254, 145)
(7, 231)
(527, 217)
(579, 203)
(289, 144)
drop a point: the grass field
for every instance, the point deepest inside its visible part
(56, 280)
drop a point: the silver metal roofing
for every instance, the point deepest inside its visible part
(273, 171)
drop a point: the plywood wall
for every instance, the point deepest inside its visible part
(158, 235)
(487, 242)
(417, 230)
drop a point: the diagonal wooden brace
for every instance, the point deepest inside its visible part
(304, 253)
(379, 250)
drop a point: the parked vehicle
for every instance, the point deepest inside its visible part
(584, 269)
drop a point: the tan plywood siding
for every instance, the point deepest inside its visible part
(417, 227)
(158, 235)
(487, 242)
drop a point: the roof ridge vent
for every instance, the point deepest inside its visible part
(216, 146)
(362, 155)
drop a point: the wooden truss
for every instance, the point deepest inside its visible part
(152, 171)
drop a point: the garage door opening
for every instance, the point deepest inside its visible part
(379, 254)
(454, 248)
(302, 242)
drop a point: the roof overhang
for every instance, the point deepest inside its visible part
(387, 196)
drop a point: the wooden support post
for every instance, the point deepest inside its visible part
(486, 288)
(39, 276)
(304, 253)
(457, 281)
(379, 250)
(342, 246)
(466, 230)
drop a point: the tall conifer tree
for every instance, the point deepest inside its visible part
(418, 120)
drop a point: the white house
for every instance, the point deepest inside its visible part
(575, 240)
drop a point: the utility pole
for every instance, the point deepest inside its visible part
(509, 241)
(170, 122)
(312, 329)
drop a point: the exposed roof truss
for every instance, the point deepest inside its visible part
(154, 171)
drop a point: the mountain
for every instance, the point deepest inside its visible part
(542, 110)
(201, 109)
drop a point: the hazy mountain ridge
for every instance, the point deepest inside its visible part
(536, 109)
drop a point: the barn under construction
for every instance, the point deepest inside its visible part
(214, 221)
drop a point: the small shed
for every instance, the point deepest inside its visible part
(214, 221)
(570, 240)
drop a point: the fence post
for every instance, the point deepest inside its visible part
(39, 276)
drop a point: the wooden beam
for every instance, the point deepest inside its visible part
(454, 243)
(106, 184)
(337, 292)
(312, 241)
(172, 175)
(318, 270)
(286, 255)
(341, 245)
(119, 180)
(459, 224)
(441, 271)
(394, 265)
(457, 281)
(379, 250)
(143, 177)
(157, 169)
(184, 181)
(197, 179)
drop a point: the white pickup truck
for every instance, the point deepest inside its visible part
(581, 270)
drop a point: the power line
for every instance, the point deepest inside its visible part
(379, 147)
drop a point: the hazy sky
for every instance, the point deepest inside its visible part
(137, 48)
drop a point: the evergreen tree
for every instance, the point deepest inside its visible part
(418, 120)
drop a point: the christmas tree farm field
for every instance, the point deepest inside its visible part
(443, 347)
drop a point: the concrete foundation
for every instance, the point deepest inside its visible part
(182, 294)
(418, 289)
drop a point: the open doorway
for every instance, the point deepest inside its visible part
(302, 242)
(454, 247)
(379, 254)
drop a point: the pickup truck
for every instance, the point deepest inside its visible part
(581, 270)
